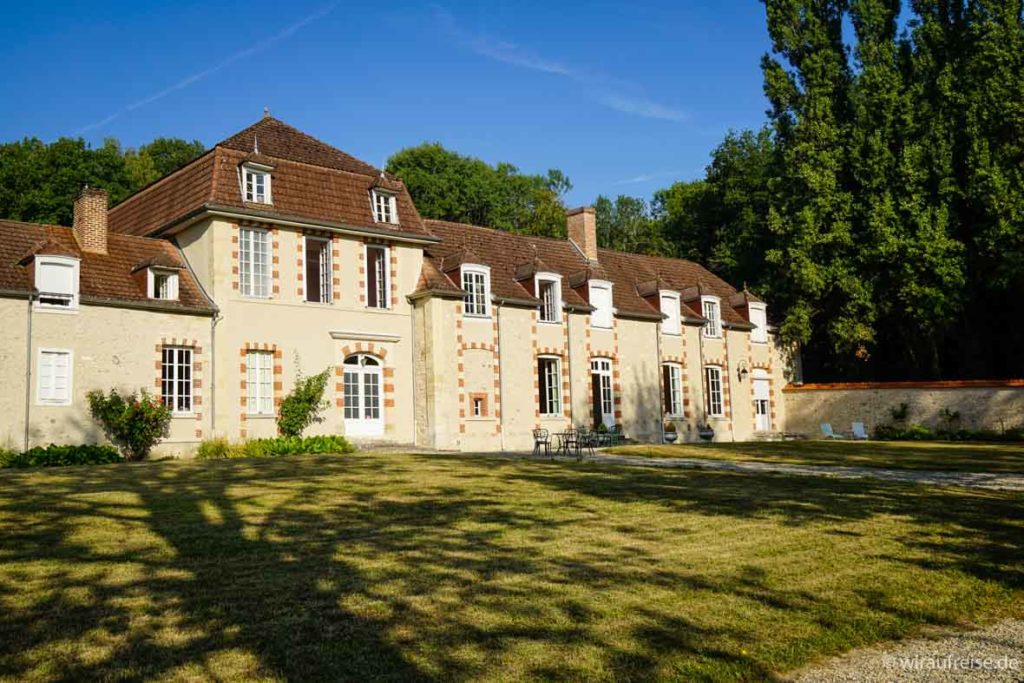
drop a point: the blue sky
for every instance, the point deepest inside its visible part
(624, 97)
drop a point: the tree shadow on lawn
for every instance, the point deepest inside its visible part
(376, 568)
(977, 532)
(241, 570)
(933, 455)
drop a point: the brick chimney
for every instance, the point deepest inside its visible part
(90, 224)
(582, 228)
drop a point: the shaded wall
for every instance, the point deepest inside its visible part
(982, 404)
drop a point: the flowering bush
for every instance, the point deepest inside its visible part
(134, 422)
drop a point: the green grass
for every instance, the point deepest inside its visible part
(910, 455)
(406, 567)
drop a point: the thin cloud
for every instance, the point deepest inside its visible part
(256, 48)
(608, 92)
(645, 177)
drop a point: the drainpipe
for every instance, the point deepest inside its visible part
(412, 345)
(213, 373)
(28, 367)
(568, 329)
(660, 430)
(501, 381)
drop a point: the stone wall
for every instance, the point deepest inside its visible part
(981, 404)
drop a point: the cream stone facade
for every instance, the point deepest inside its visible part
(435, 334)
(306, 337)
(109, 347)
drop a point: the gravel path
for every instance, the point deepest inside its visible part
(993, 653)
(983, 480)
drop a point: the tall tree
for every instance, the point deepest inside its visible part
(827, 303)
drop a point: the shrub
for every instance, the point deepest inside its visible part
(914, 432)
(214, 449)
(272, 448)
(56, 456)
(134, 423)
(303, 405)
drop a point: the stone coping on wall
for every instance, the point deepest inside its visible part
(937, 384)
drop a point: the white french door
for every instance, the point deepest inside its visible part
(604, 402)
(364, 415)
(762, 405)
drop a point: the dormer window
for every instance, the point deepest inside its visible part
(256, 181)
(670, 309)
(601, 300)
(56, 278)
(759, 319)
(163, 284)
(549, 291)
(712, 310)
(385, 207)
(476, 281)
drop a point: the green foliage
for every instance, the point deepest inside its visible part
(881, 211)
(213, 449)
(134, 422)
(58, 456)
(39, 181)
(900, 412)
(628, 225)
(449, 186)
(302, 407)
(916, 432)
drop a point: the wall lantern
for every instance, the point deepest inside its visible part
(742, 371)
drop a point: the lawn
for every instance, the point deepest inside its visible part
(405, 567)
(912, 455)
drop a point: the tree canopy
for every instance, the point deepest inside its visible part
(448, 186)
(39, 181)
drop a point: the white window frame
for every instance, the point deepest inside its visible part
(555, 280)
(713, 326)
(758, 335)
(674, 390)
(53, 400)
(715, 395)
(670, 307)
(259, 382)
(476, 303)
(326, 272)
(71, 297)
(383, 279)
(249, 284)
(603, 368)
(553, 399)
(172, 283)
(598, 317)
(250, 172)
(389, 202)
(175, 380)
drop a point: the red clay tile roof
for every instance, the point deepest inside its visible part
(506, 253)
(103, 278)
(310, 180)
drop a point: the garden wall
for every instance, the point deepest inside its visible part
(982, 404)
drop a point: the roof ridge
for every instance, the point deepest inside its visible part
(498, 230)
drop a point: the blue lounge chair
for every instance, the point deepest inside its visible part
(859, 433)
(826, 431)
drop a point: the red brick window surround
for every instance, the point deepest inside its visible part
(255, 260)
(253, 400)
(186, 381)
